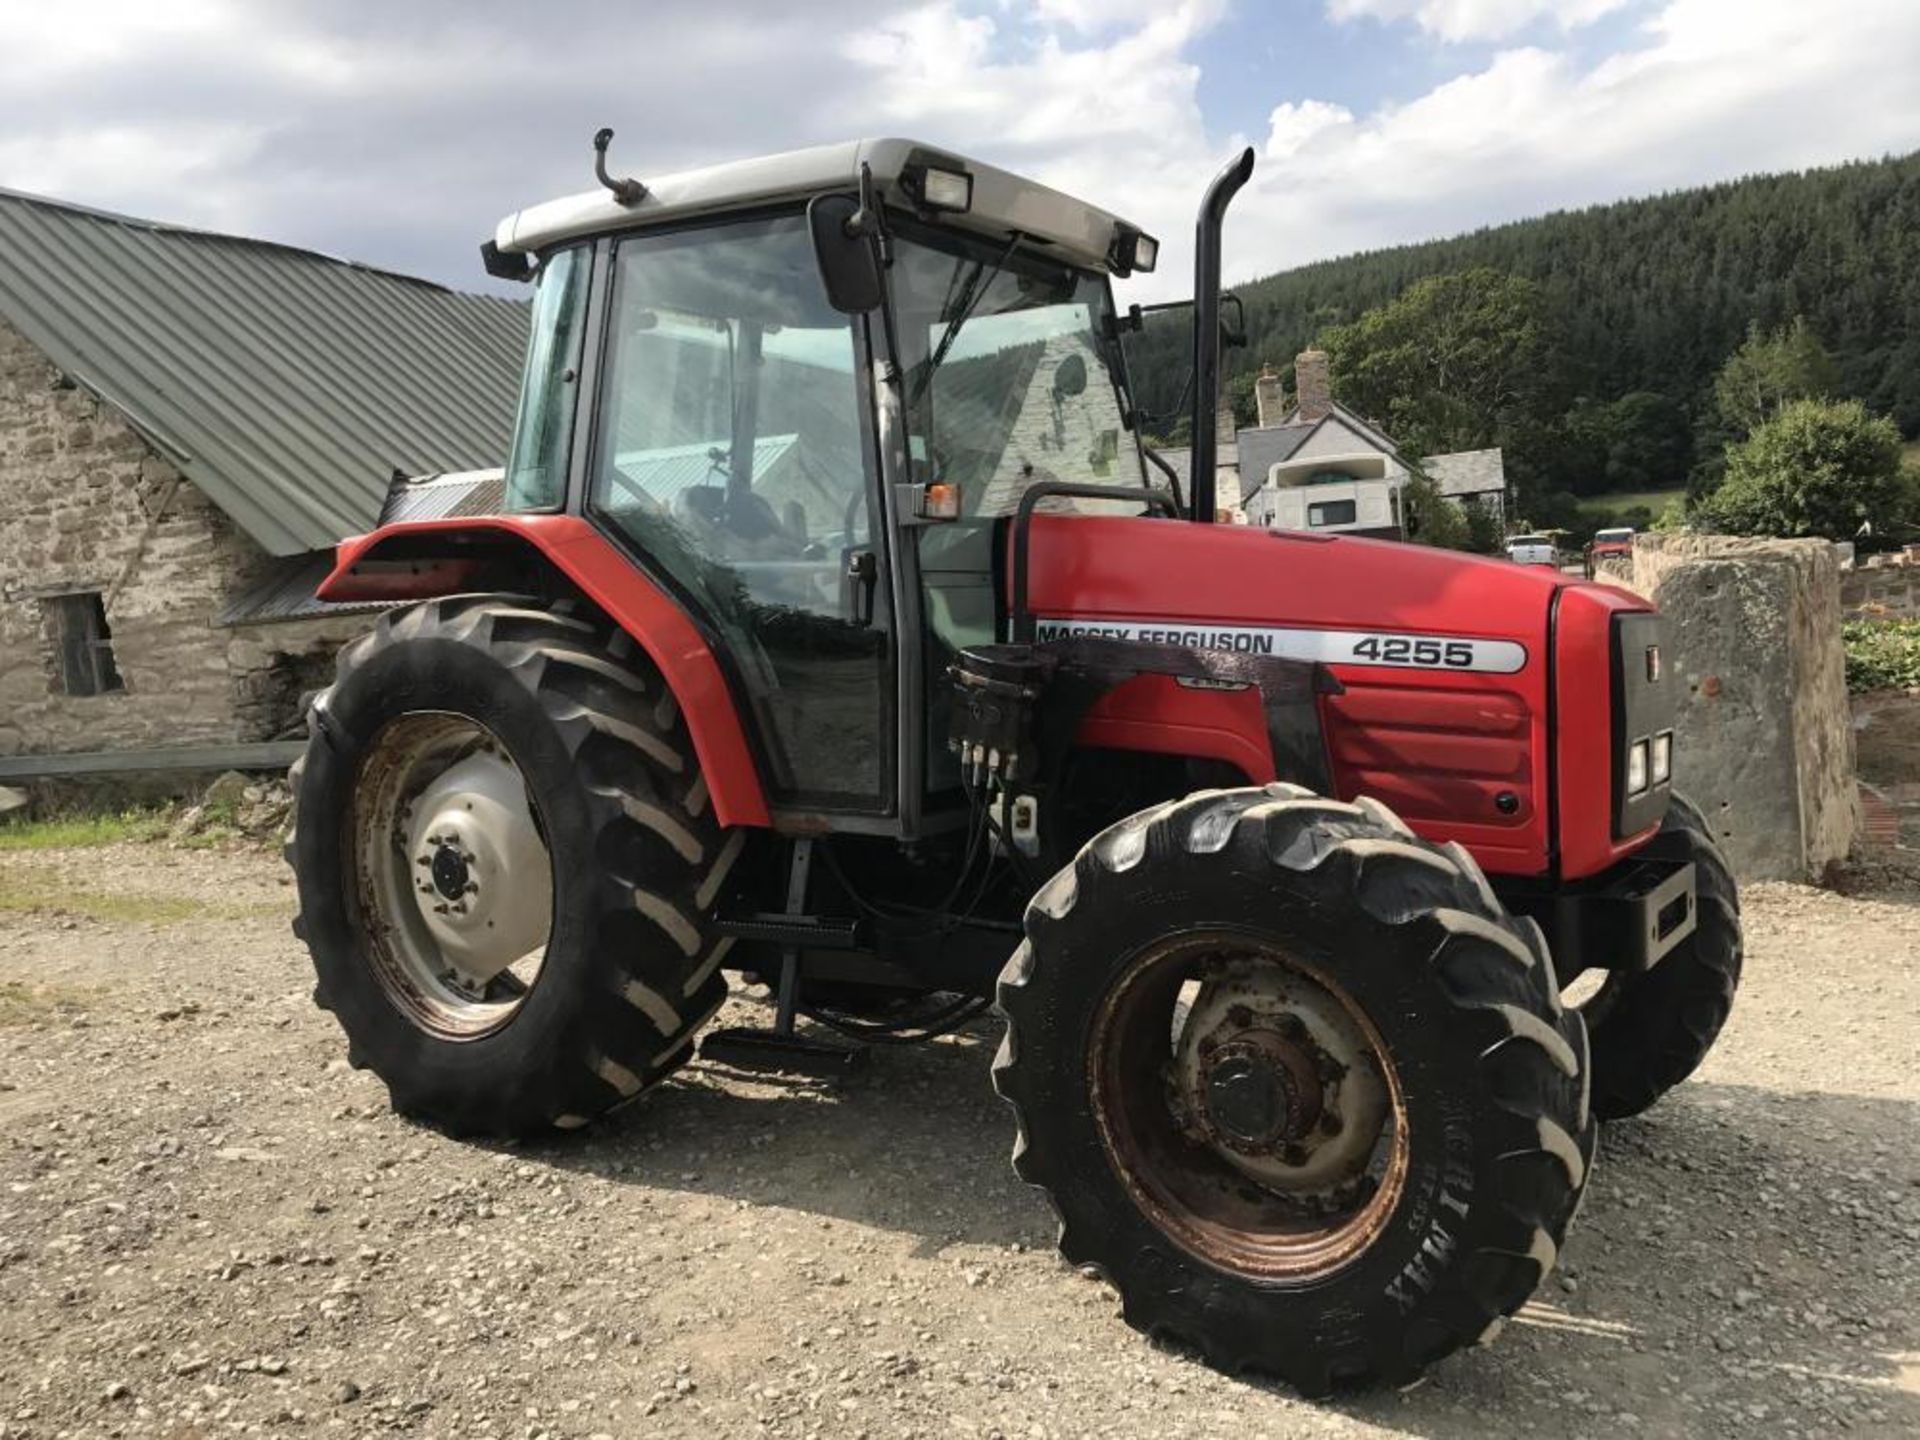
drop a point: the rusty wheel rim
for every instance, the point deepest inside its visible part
(1271, 1142)
(453, 883)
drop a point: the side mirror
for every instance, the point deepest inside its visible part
(848, 258)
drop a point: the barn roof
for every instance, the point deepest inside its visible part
(288, 386)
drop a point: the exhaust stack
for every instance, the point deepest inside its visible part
(1206, 330)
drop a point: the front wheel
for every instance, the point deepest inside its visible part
(506, 861)
(1652, 1029)
(1296, 1085)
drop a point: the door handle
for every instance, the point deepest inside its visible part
(863, 574)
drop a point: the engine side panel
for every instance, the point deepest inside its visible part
(1459, 747)
(367, 568)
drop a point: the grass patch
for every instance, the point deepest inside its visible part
(114, 909)
(1654, 500)
(1882, 654)
(24, 1004)
(63, 832)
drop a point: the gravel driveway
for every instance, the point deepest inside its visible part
(209, 1225)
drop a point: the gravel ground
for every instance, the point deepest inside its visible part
(210, 1225)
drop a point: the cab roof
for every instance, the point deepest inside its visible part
(1002, 202)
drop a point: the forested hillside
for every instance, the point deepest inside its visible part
(1636, 300)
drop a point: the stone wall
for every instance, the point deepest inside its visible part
(87, 505)
(1883, 588)
(1764, 740)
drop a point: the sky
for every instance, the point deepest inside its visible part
(398, 132)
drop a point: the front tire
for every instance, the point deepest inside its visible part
(539, 767)
(1651, 1030)
(1216, 1183)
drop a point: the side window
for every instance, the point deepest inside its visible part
(1332, 512)
(82, 645)
(543, 432)
(728, 450)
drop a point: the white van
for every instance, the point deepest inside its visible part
(1533, 550)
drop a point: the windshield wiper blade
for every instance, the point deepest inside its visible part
(977, 285)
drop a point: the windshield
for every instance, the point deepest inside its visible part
(1010, 379)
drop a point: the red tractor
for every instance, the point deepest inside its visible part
(831, 626)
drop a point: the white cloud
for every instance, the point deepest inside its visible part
(1460, 20)
(1294, 124)
(399, 133)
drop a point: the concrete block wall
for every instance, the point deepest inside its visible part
(1888, 591)
(1764, 738)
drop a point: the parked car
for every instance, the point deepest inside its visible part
(1613, 543)
(1533, 550)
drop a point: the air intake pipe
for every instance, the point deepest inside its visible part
(1206, 330)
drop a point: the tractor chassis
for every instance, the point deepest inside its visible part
(1017, 707)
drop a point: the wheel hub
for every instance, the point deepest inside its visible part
(1260, 1092)
(483, 884)
(450, 872)
(1272, 1074)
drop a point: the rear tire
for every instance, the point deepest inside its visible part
(1486, 1072)
(1651, 1030)
(628, 973)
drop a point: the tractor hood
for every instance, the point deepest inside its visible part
(1335, 599)
(1442, 694)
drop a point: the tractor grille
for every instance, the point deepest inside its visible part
(1434, 755)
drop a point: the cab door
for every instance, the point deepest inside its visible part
(733, 454)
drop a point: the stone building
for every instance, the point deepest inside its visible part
(188, 421)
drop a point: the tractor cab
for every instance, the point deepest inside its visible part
(808, 395)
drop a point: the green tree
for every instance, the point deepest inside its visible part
(1816, 468)
(1484, 535)
(1641, 441)
(1770, 369)
(1430, 518)
(1451, 363)
(1650, 442)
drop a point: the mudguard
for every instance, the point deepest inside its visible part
(415, 560)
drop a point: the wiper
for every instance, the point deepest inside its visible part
(976, 287)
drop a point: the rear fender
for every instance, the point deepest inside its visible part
(421, 559)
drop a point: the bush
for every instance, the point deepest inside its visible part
(1817, 468)
(1882, 654)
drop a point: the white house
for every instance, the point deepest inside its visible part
(1319, 466)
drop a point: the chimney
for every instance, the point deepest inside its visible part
(1313, 383)
(1268, 398)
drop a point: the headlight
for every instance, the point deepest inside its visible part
(1637, 767)
(946, 189)
(1662, 762)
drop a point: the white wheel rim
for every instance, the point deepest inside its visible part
(455, 885)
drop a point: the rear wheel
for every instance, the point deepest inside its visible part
(1296, 1085)
(506, 861)
(1652, 1029)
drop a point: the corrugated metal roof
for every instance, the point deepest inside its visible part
(287, 386)
(657, 476)
(442, 497)
(285, 592)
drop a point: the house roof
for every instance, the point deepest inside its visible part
(286, 385)
(1264, 447)
(1467, 472)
